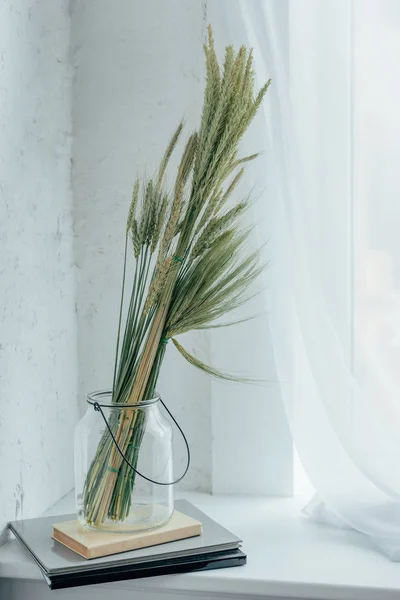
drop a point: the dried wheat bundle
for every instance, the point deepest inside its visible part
(192, 262)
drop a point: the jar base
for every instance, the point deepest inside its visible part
(142, 517)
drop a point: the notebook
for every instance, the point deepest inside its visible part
(92, 544)
(61, 567)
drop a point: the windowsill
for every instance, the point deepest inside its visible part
(288, 556)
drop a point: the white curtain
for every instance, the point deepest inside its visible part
(331, 211)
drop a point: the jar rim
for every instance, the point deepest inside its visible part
(99, 395)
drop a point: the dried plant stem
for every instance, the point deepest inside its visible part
(128, 418)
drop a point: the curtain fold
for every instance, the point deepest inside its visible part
(331, 287)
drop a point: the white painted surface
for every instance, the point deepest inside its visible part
(288, 557)
(37, 321)
(252, 446)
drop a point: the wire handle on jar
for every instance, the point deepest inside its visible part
(97, 408)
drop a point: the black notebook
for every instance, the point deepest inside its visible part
(61, 567)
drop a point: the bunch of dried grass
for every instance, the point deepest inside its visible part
(192, 262)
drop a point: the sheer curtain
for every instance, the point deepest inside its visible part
(330, 210)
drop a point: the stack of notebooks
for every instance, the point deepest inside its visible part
(69, 555)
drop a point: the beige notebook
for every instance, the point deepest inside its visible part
(93, 544)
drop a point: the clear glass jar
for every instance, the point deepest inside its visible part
(110, 496)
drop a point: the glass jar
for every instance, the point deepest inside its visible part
(110, 495)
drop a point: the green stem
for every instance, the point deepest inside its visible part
(120, 317)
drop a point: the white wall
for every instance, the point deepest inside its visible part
(251, 441)
(139, 69)
(37, 320)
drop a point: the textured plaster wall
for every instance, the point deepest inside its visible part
(38, 375)
(138, 71)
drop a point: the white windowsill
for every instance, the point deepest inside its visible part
(288, 557)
